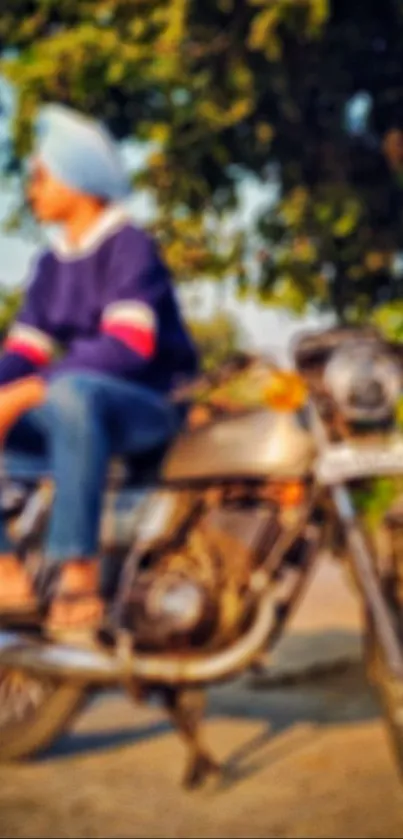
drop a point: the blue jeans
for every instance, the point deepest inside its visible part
(86, 419)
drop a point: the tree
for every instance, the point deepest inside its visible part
(225, 88)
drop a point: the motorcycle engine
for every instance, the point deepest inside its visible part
(198, 590)
(364, 380)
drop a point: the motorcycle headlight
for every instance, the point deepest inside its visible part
(364, 380)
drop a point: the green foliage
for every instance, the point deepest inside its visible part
(376, 498)
(389, 320)
(217, 338)
(10, 302)
(225, 87)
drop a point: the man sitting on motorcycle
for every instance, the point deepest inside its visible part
(90, 361)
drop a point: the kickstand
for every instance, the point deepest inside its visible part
(186, 709)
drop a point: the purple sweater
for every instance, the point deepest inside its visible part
(110, 308)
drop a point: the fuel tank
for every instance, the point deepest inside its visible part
(256, 444)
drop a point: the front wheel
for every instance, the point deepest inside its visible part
(390, 692)
(34, 711)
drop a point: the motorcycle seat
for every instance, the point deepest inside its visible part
(136, 470)
(131, 472)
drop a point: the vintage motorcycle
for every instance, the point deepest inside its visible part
(200, 540)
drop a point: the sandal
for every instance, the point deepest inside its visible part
(17, 591)
(91, 609)
(72, 615)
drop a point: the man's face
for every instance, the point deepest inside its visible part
(52, 202)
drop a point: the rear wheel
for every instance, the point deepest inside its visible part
(34, 711)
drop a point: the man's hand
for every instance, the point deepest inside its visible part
(16, 399)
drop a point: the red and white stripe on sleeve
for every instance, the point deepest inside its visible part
(31, 343)
(133, 323)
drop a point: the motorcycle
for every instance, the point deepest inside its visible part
(208, 546)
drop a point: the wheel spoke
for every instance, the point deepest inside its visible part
(20, 696)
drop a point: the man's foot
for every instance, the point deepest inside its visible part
(76, 604)
(16, 587)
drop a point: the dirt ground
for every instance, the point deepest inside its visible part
(309, 759)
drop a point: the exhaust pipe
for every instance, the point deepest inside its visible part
(193, 670)
(97, 666)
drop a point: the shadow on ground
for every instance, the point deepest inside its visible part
(322, 693)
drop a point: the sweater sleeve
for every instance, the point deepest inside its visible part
(128, 330)
(29, 347)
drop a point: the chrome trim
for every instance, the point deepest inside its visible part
(95, 666)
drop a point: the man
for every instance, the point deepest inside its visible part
(91, 359)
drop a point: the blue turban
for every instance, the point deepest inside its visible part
(81, 153)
